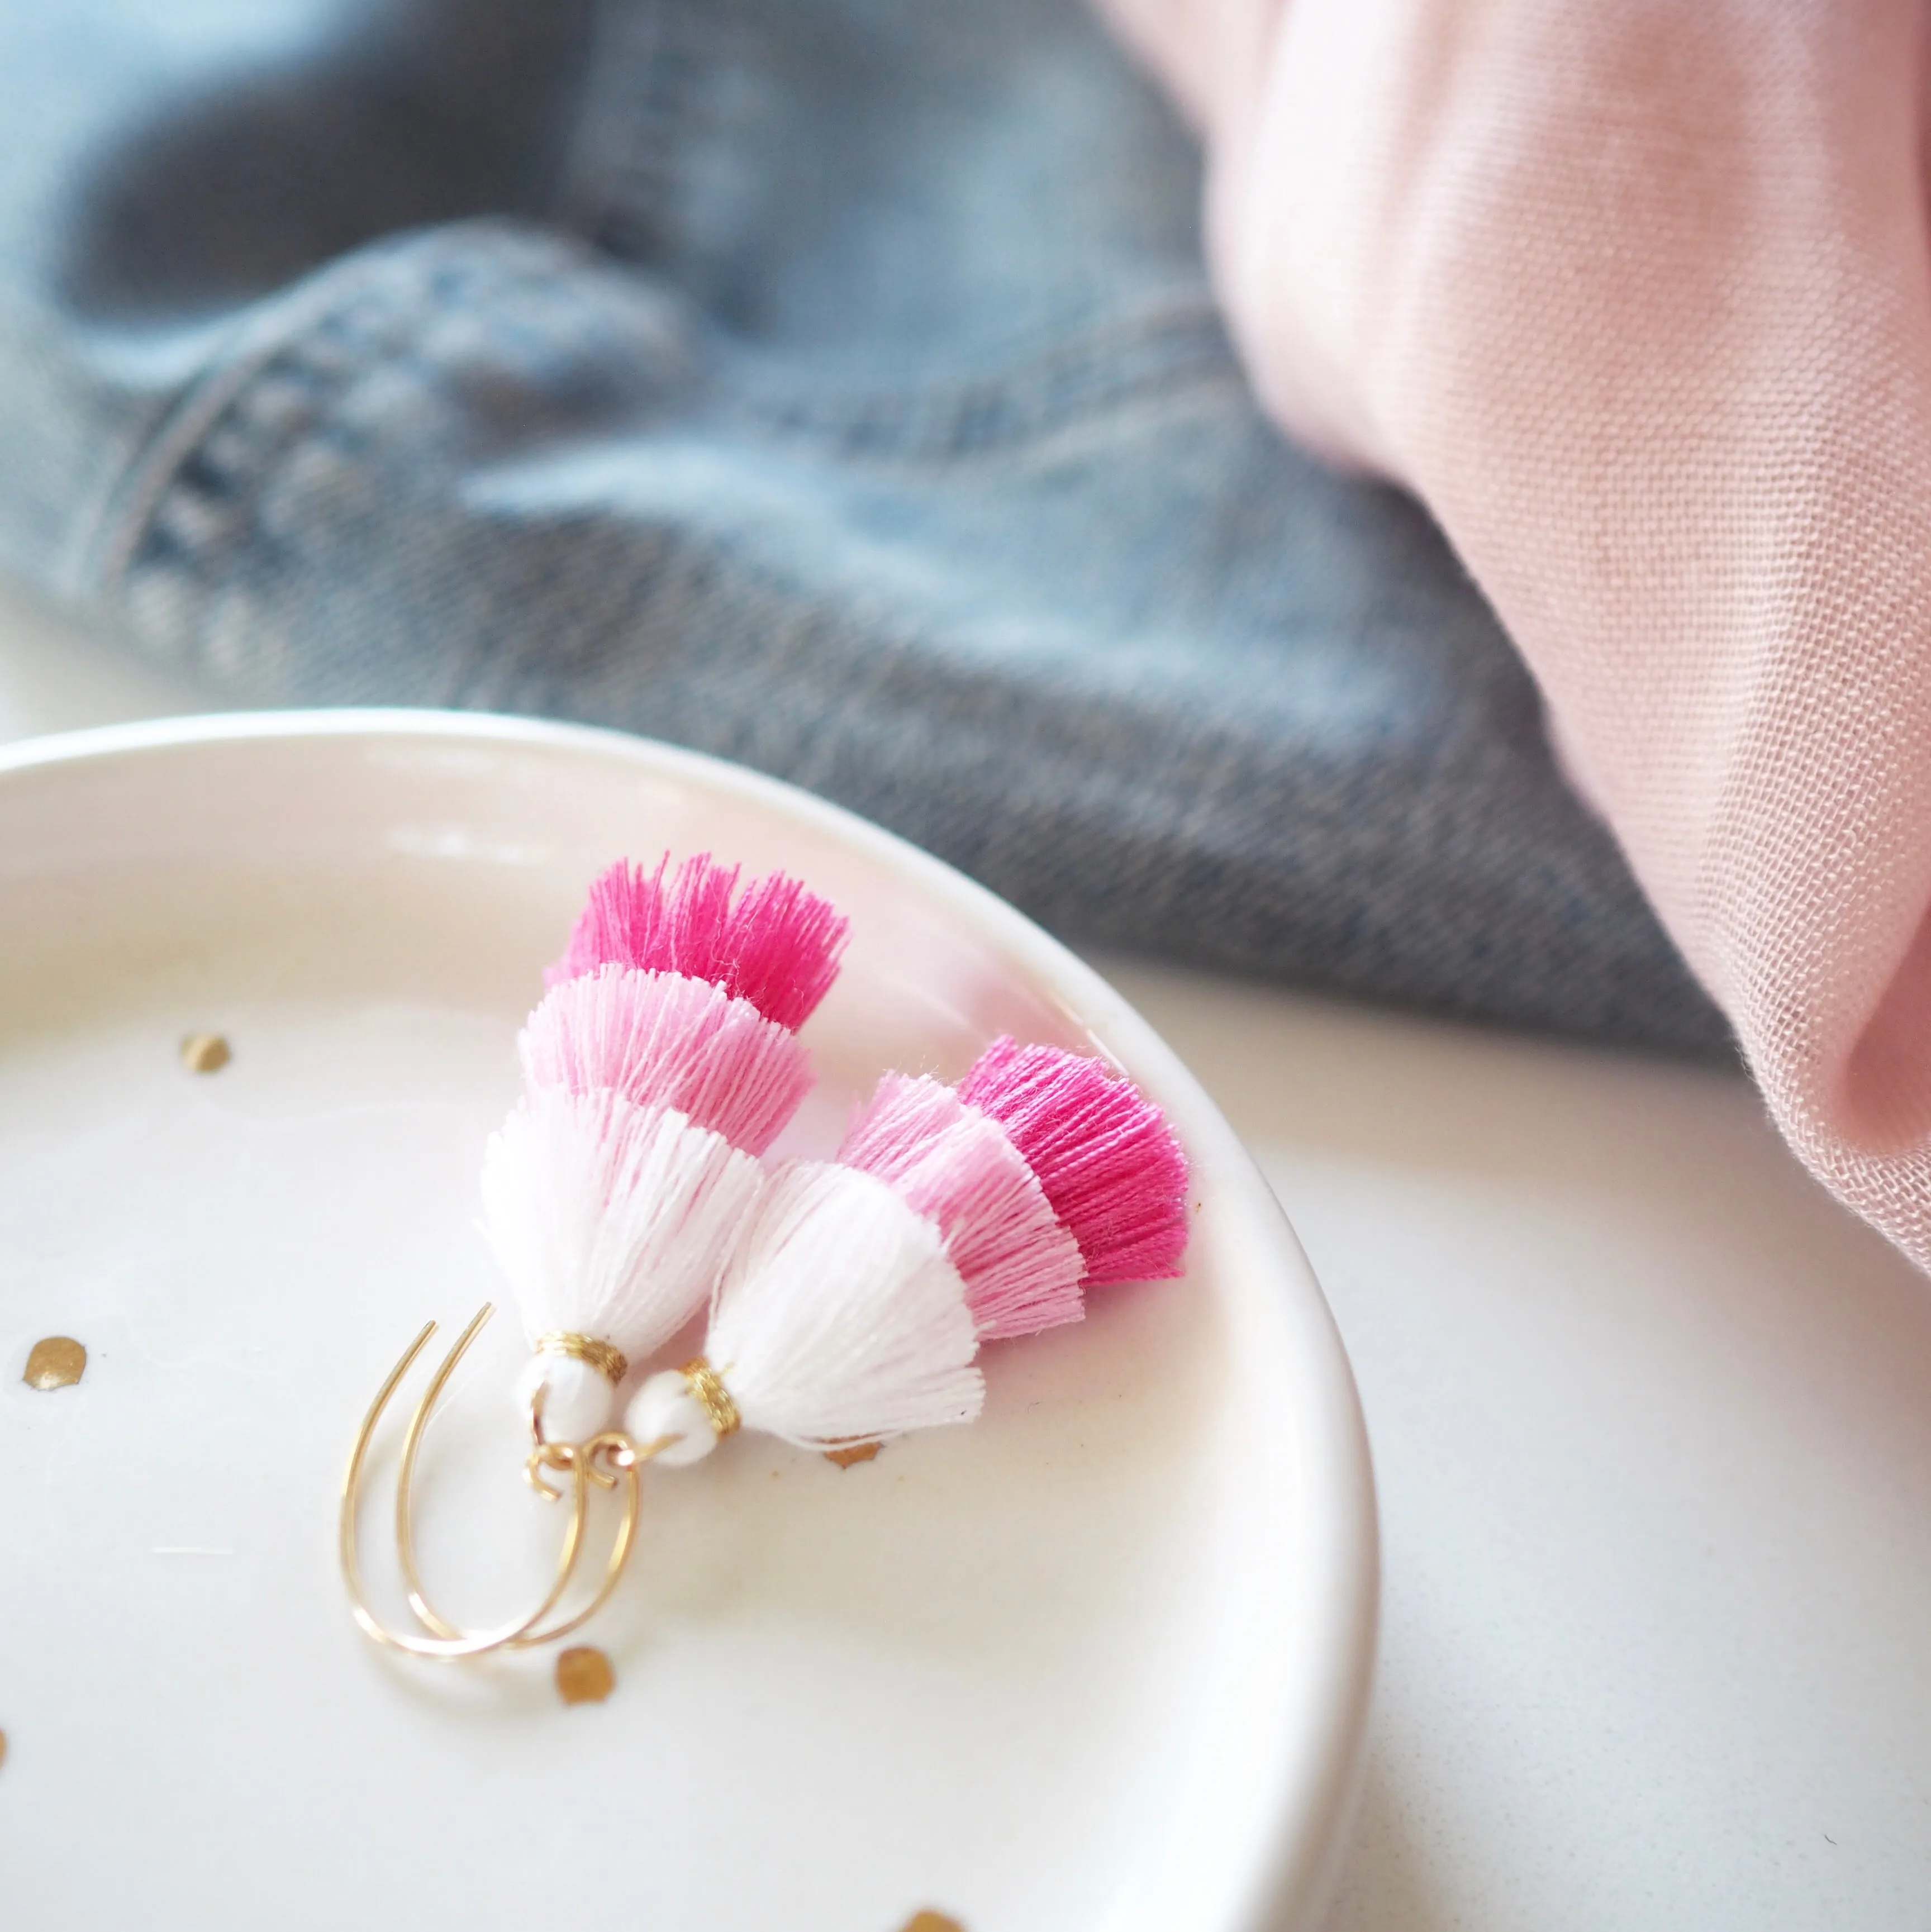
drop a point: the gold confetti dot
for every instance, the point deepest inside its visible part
(205, 1052)
(54, 1361)
(584, 1676)
(854, 1452)
(3, 1746)
(931, 1921)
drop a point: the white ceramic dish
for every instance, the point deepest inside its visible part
(1100, 1661)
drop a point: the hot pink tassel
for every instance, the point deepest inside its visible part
(1106, 1158)
(950, 1163)
(778, 947)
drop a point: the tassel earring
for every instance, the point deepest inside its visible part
(660, 1065)
(848, 1298)
(854, 1308)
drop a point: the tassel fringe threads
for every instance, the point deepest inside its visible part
(778, 947)
(950, 1162)
(1105, 1156)
(661, 1038)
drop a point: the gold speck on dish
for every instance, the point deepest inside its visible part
(54, 1361)
(852, 1452)
(584, 1676)
(3, 1746)
(931, 1921)
(205, 1052)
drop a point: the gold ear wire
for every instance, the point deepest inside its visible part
(601, 1460)
(624, 1458)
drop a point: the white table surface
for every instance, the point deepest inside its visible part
(1652, 1429)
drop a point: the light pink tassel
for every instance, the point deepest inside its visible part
(951, 1163)
(660, 1038)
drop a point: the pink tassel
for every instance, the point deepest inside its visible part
(948, 1162)
(660, 1040)
(1106, 1158)
(778, 947)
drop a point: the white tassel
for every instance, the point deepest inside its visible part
(839, 1320)
(610, 1221)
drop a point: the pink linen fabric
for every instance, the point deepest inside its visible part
(1636, 297)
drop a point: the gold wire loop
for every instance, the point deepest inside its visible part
(606, 1357)
(606, 1460)
(707, 1386)
(547, 1455)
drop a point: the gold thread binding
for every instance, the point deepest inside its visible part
(708, 1388)
(604, 1356)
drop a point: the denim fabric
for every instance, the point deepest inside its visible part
(830, 384)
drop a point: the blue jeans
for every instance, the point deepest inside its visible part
(830, 384)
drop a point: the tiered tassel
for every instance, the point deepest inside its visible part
(663, 1061)
(854, 1308)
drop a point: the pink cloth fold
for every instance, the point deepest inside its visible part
(1636, 298)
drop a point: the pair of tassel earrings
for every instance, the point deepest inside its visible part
(847, 1298)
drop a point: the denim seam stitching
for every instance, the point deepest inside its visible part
(356, 319)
